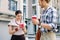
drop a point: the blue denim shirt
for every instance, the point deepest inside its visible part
(49, 16)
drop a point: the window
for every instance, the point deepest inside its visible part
(33, 1)
(35, 29)
(12, 5)
(34, 10)
(58, 27)
(58, 11)
(24, 11)
(0, 3)
(24, 1)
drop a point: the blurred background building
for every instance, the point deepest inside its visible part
(28, 8)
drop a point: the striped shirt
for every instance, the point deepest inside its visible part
(49, 16)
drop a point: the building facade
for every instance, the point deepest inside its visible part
(7, 10)
(28, 8)
(55, 4)
(32, 7)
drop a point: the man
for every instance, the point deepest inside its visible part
(48, 21)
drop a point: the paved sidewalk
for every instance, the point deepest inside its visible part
(32, 37)
(58, 38)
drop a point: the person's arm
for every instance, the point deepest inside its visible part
(47, 26)
(35, 21)
(53, 24)
(10, 30)
(24, 29)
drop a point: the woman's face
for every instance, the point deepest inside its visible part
(19, 16)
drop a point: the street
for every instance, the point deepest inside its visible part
(33, 38)
(58, 38)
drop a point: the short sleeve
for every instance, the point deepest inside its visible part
(10, 23)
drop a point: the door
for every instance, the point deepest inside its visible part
(4, 35)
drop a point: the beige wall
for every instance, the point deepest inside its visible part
(4, 7)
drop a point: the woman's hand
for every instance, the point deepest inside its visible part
(10, 30)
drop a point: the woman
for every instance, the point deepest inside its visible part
(14, 28)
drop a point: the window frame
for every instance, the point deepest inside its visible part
(10, 5)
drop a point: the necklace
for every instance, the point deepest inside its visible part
(17, 23)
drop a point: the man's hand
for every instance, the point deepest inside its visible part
(46, 26)
(35, 21)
